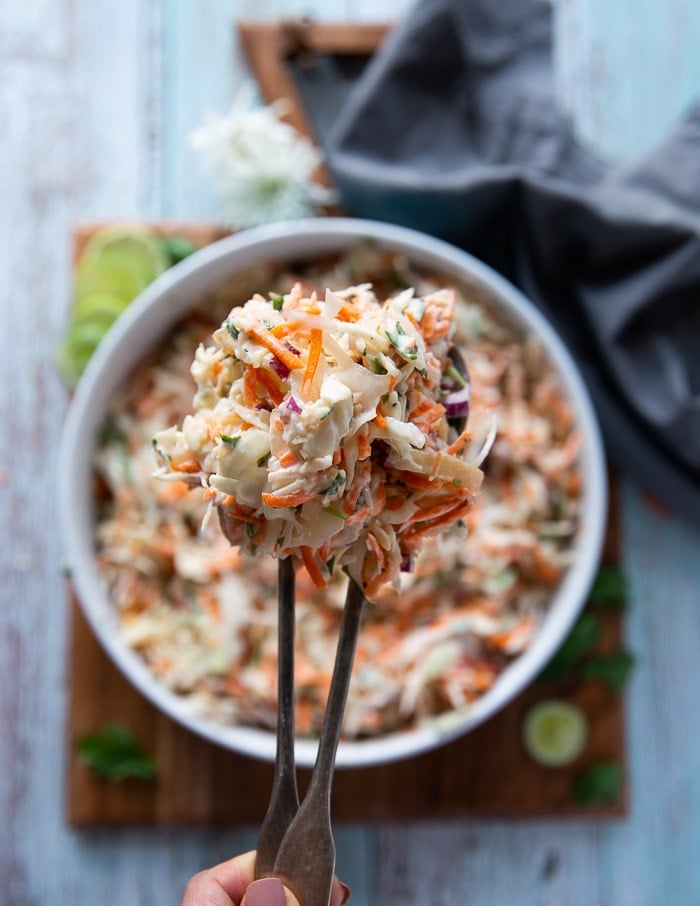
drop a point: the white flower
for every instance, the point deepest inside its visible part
(263, 165)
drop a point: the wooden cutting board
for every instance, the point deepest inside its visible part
(486, 773)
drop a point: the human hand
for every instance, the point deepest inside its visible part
(233, 883)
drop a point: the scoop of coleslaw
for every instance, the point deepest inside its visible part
(320, 430)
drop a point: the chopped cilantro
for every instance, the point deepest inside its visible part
(611, 669)
(112, 753)
(277, 302)
(601, 783)
(177, 248)
(232, 329)
(109, 433)
(580, 640)
(336, 484)
(228, 440)
(610, 588)
(263, 460)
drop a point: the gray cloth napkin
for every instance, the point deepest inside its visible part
(453, 129)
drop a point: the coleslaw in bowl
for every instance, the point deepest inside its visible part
(541, 518)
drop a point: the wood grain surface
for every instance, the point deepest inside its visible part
(97, 101)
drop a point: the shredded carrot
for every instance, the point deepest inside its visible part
(432, 512)
(419, 530)
(171, 491)
(380, 420)
(269, 383)
(286, 500)
(288, 458)
(347, 314)
(457, 445)
(362, 473)
(357, 516)
(312, 362)
(249, 389)
(267, 339)
(312, 568)
(364, 448)
(188, 465)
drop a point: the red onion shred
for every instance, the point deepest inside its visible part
(457, 403)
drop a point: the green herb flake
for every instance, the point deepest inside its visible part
(580, 640)
(377, 367)
(228, 440)
(264, 460)
(177, 248)
(611, 669)
(154, 443)
(277, 302)
(610, 588)
(110, 434)
(113, 753)
(601, 783)
(451, 371)
(232, 329)
(337, 483)
(333, 512)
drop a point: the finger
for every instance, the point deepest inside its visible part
(222, 885)
(340, 893)
(268, 892)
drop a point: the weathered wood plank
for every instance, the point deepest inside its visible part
(627, 71)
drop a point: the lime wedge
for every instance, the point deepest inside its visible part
(133, 249)
(555, 732)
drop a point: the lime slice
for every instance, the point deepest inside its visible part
(77, 347)
(99, 306)
(133, 249)
(555, 732)
(108, 278)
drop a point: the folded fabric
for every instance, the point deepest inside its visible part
(453, 129)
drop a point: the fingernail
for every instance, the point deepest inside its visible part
(346, 894)
(266, 892)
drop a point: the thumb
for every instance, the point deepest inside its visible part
(271, 892)
(268, 892)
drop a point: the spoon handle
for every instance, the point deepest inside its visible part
(306, 857)
(284, 799)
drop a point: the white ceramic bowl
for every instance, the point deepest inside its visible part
(155, 312)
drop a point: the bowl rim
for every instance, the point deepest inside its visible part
(157, 309)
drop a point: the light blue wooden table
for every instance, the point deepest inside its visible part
(96, 99)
